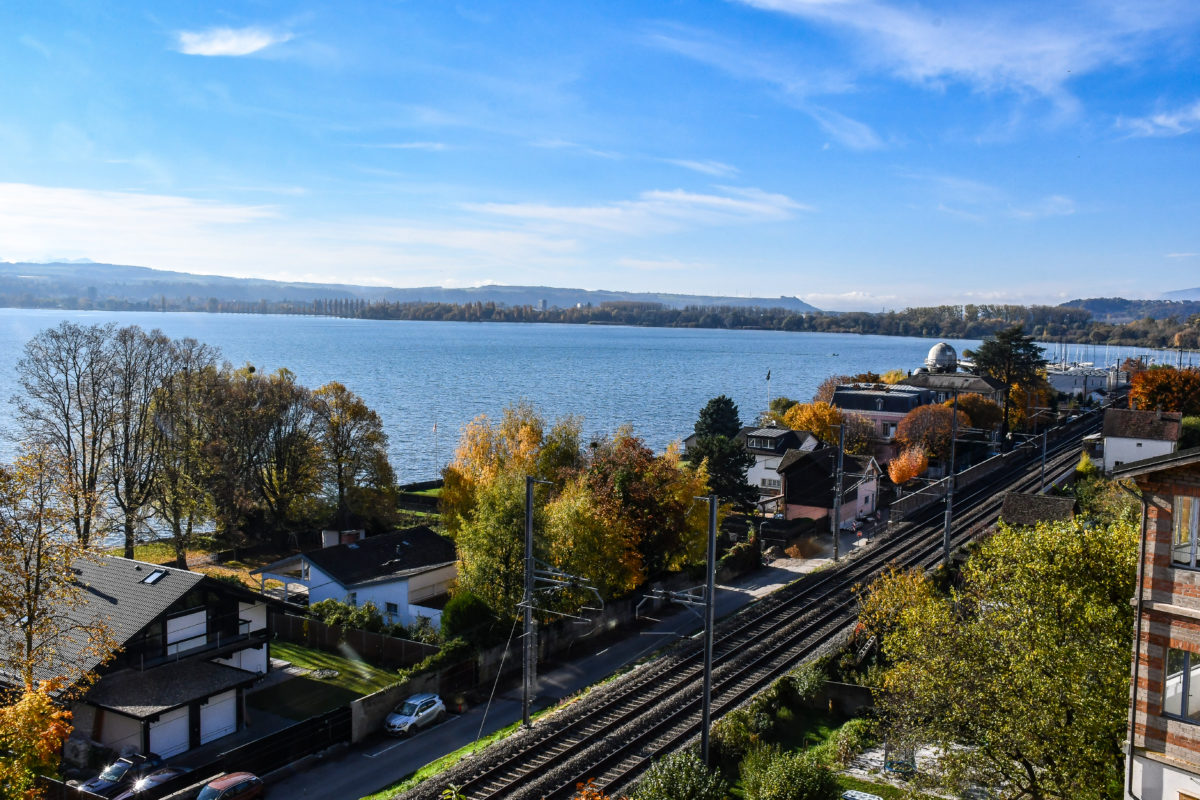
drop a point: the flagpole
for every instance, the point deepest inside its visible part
(768, 391)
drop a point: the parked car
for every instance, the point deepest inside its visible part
(234, 786)
(418, 711)
(151, 780)
(121, 773)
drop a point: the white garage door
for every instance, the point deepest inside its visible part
(169, 736)
(219, 717)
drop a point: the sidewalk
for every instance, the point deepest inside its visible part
(380, 761)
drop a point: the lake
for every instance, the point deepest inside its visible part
(420, 374)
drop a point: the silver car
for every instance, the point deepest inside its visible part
(418, 711)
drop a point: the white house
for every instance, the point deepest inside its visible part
(1136, 435)
(407, 574)
(768, 446)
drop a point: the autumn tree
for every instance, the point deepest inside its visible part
(352, 442)
(491, 544)
(178, 492)
(1025, 663)
(1012, 358)
(1167, 389)
(930, 428)
(819, 419)
(141, 364)
(32, 732)
(581, 541)
(38, 548)
(65, 404)
(982, 412)
(909, 464)
(727, 458)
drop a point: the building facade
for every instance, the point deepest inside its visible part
(1163, 759)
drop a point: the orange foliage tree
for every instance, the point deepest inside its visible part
(983, 412)
(819, 418)
(911, 462)
(1168, 389)
(930, 428)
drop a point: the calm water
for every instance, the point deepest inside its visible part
(416, 374)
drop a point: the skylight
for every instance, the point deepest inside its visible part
(154, 577)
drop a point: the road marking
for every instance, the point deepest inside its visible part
(401, 740)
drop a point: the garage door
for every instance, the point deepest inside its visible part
(219, 717)
(169, 736)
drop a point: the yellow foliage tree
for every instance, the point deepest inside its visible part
(819, 419)
(32, 732)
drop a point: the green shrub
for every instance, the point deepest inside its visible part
(808, 680)
(452, 652)
(680, 776)
(852, 739)
(768, 774)
(468, 617)
(730, 738)
(334, 612)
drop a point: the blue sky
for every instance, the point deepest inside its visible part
(856, 153)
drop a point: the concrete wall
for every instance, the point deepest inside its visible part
(1118, 450)
(368, 713)
(252, 659)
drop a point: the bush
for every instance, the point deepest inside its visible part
(333, 612)
(680, 776)
(731, 738)
(452, 652)
(768, 774)
(808, 680)
(468, 617)
(852, 739)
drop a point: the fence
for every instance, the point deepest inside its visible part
(377, 648)
(259, 756)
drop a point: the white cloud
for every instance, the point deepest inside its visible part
(174, 232)
(1166, 123)
(990, 47)
(1182, 255)
(228, 41)
(1054, 205)
(708, 167)
(848, 132)
(976, 201)
(655, 211)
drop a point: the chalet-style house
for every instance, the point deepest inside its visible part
(1131, 435)
(809, 485)
(1020, 508)
(1163, 759)
(768, 446)
(189, 646)
(406, 574)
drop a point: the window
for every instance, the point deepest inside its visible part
(771, 483)
(1184, 523)
(352, 598)
(1181, 686)
(392, 608)
(305, 575)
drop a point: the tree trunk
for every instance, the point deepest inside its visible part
(130, 534)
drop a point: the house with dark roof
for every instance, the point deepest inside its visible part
(1163, 755)
(1020, 508)
(884, 405)
(945, 385)
(190, 645)
(1131, 435)
(768, 445)
(810, 485)
(406, 574)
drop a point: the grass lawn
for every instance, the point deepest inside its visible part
(300, 698)
(355, 676)
(884, 790)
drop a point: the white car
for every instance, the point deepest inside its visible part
(418, 711)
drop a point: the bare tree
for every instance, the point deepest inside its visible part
(178, 492)
(142, 365)
(66, 406)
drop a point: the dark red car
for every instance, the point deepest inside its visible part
(234, 786)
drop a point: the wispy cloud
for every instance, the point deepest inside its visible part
(655, 211)
(1166, 123)
(976, 201)
(714, 168)
(989, 47)
(1054, 205)
(228, 41)
(563, 144)
(1182, 255)
(846, 131)
(433, 147)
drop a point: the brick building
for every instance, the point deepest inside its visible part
(1164, 721)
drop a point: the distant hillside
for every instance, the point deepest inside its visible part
(21, 284)
(1118, 309)
(1183, 294)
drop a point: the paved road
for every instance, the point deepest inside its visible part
(380, 761)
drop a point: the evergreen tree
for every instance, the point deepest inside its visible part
(1012, 358)
(728, 459)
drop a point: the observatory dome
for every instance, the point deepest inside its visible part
(942, 358)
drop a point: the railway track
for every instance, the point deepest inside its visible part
(614, 733)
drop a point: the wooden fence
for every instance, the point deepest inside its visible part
(376, 648)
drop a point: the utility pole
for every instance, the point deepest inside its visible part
(950, 484)
(529, 653)
(837, 496)
(710, 616)
(1042, 486)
